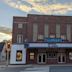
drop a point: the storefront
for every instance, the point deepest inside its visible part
(41, 53)
(45, 53)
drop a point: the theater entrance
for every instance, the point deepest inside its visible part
(41, 58)
(61, 58)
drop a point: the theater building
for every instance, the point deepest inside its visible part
(41, 39)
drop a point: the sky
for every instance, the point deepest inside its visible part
(10, 8)
(4, 36)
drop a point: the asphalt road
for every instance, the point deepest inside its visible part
(60, 69)
(25, 69)
(37, 69)
(11, 69)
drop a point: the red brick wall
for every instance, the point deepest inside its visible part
(16, 30)
(51, 61)
(40, 20)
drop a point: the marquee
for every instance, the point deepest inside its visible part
(48, 45)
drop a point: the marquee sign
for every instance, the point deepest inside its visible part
(48, 45)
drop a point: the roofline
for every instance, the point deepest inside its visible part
(49, 15)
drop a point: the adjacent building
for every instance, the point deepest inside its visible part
(2, 52)
(41, 39)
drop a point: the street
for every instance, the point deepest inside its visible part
(25, 69)
(11, 69)
(37, 68)
(65, 68)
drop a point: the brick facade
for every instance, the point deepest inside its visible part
(27, 33)
(41, 20)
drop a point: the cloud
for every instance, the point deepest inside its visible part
(19, 6)
(41, 6)
(4, 36)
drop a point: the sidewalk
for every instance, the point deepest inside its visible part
(27, 66)
(33, 65)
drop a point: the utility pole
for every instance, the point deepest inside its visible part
(8, 51)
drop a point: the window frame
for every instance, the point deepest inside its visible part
(20, 25)
(31, 55)
(19, 38)
(53, 55)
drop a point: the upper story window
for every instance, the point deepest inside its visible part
(46, 30)
(35, 31)
(19, 38)
(68, 32)
(20, 25)
(63, 37)
(52, 36)
(40, 37)
(57, 30)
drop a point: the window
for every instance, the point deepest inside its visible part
(46, 31)
(52, 36)
(69, 32)
(57, 30)
(40, 37)
(20, 25)
(63, 37)
(19, 38)
(35, 30)
(31, 56)
(51, 55)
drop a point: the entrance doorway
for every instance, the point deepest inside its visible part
(41, 58)
(61, 58)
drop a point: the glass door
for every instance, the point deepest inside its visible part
(41, 59)
(61, 58)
